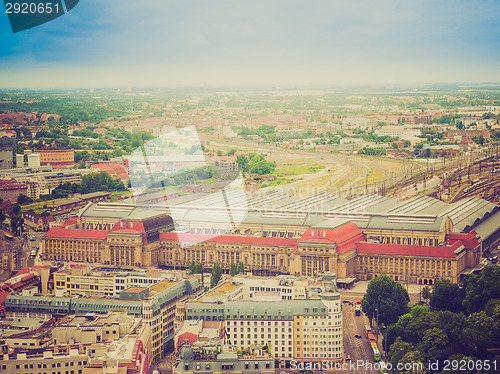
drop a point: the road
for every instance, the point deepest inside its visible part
(358, 348)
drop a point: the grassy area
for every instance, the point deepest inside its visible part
(319, 183)
(277, 182)
(292, 169)
(376, 176)
(38, 207)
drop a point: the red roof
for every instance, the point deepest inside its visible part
(25, 270)
(469, 240)
(70, 221)
(228, 239)
(345, 237)
(62, 232)
(191, 338)
(130, 227)
(115, 169)
(408, 250)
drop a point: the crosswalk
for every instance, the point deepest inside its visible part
(358, 343)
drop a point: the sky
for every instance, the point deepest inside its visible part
(156, 43)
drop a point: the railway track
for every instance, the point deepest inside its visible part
(488, 189)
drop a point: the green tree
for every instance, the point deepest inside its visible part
(481, 288)
(483, 327)
(397, 351)
(415, 363)
(242, 162)
(433, 343)
(241, 268)
(233, 269)
(426, 293)
(216, 275)
(16, 209)
(388, 297)
(196, 267)
(447, 296)
(457, 328)
(23, 199)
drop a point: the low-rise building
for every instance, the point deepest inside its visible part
(80, 342)
(190, 360)
(10, 189)
(156, 305)
(38, 222)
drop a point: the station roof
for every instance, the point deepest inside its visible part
(487, 228)
(322, 210)
(129, 212)
(469, 213)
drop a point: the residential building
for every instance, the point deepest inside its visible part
(77, 343)
(56, 157)
(155, 305)
(116, 170)
(188, 362)
(401, 132)
(308, 329)
(10, 189)
(8, 151)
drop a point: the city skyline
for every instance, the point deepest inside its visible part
(281, 43)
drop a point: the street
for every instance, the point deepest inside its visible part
(356, 348)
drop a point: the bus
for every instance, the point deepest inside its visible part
(9, 236)
(371, 337)
(376, 353)
(358, 310)
(368, 330)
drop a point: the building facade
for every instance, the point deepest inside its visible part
(56, 157)
(339, 236)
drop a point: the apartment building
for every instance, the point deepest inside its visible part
(75, 342)
(308, 327)
(71, 362)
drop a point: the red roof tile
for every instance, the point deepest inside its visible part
(469, 240)
(70, 221)
(62, 232)
(25, 270)
(408, 250)
(344, 237)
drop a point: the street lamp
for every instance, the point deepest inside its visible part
(376, 310)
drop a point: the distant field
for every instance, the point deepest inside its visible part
(296, 168)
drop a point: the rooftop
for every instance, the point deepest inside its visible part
(226, 287)
(161, 286)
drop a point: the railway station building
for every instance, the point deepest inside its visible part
(418, 240)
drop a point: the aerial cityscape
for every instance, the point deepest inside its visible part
(269, 189)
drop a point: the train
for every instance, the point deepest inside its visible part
(490, 164)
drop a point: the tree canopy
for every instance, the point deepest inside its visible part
(447, 296)
(444, 332)
(216, 275)
(388, 297)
